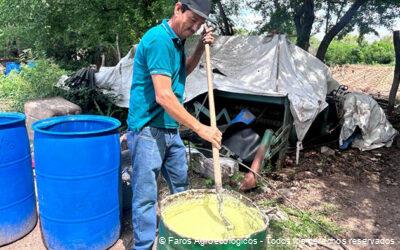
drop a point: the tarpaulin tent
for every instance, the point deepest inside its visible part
(261, 65)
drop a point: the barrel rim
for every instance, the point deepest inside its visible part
(19, 117)
(239, 196)
(41, 125)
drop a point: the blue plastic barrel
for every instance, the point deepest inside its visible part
(10, 66)
(77, 163)
(17, 196)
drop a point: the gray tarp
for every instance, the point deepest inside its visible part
(270, 66)
(118, 79)
(364, 112)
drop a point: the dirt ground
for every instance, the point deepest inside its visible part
(362, 190)
(363, 187)
(371, 79)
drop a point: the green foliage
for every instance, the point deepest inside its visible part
(31, 83)
(300, 225)
(39, 82)
(349, 51)
(76, 32)
(380, 52)
(209, 183)
(372, 14)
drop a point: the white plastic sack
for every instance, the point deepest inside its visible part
(361, 110)
(118, 79)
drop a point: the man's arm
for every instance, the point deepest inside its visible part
(167, 99)
(192, 61)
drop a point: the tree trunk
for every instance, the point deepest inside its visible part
(323, 47)
(396, 79)
(103, 60)
(226, 27)
(117, 47)
(304, 19)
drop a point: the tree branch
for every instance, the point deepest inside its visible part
(323, 47)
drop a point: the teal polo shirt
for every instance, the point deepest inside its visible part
(160, 52)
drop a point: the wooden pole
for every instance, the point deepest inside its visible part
(396, 79)
(211, 104)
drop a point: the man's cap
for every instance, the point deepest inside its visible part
(200, 7)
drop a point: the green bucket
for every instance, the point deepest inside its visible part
(171, 236)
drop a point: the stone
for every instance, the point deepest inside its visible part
(277, 214)
(123, 141)
(280, 215)
(205, 166)
(327, 151)
(45, 108)
(126, 173)
(286, 192)
(310, 154)
(305, 175)
(266, 189)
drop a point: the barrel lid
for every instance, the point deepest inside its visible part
(44, 126)
(8, 118)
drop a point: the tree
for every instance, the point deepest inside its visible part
(221, 11)
(323, 47)
(396, 79)
(366, 15)
(341, 18)
(78, 31)
(304, 19)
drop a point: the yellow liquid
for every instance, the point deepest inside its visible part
(199, 218)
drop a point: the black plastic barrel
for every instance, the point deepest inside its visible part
(77, 162)
(17, 196)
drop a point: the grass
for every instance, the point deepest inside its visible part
(300, 225)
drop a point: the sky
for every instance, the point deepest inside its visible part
(248, 19)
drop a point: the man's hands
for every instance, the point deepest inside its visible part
(207, 36)
(210, 134)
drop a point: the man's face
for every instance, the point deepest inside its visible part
(189, 22)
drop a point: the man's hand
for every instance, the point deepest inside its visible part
(249, 182)
(210, 134)
(207, 36)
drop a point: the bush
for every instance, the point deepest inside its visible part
(343, 53)
(380, 52)
(31, 83)
(348, 51)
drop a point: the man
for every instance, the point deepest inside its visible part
(160, 70)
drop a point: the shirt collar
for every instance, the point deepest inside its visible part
(172, 33)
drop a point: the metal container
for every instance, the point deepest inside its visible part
(169, 238)
(77, 162)
(17, 196)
